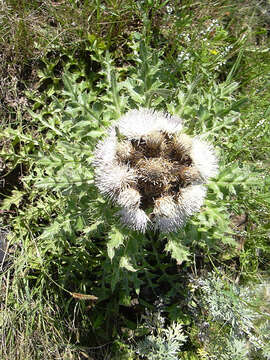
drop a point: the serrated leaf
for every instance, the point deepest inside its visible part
(14, 199)
(133, 94)
(178, 251)
(116, 240)
(50, 232)
(212, 185)
(126, 264)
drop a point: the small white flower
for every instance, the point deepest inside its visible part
(152, 171)
(169, 9)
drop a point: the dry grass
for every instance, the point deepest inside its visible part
(30, 30)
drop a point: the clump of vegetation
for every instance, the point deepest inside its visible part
(239, 314)
(162, 342)
(75, 282)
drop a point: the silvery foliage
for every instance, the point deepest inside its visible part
(119, 181)
(162, 343)
(245, 310)
(236, 349)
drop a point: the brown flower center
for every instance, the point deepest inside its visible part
(162, 163)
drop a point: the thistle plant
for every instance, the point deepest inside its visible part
(153, 171)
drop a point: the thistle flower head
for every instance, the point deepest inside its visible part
(167, 215)
(155, 173)
(134, 218)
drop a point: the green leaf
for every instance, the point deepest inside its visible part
(126, 264)
(48, 125)
(264, 198)
(96, 133)
(213, 185)
(116, 240)
(115, 278)
(178, 251)
(129, 85)
(14, 199)
(92, 228)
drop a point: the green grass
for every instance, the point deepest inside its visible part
(68, 68)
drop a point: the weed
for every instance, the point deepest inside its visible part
(75, 283)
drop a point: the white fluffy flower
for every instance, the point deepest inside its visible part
(167, 215)
(152, 171)
(129, 198)
(204, 158)
(138, 123)
(134, 218)
(113, 179)
(191, 199)
(105, 151)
